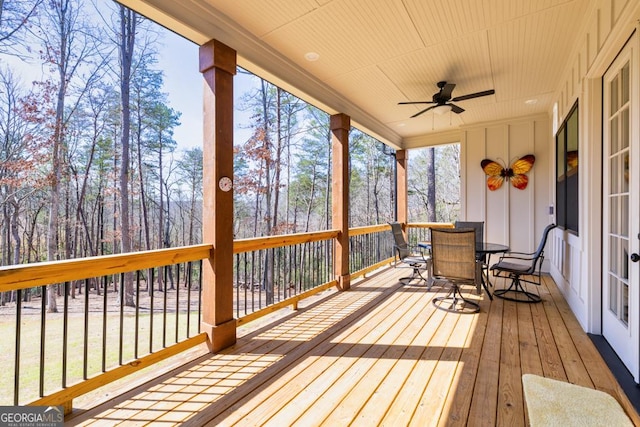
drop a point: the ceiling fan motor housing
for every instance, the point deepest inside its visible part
(444, 96)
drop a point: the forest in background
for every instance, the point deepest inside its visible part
(89, 164)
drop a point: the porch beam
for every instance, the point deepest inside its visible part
(402, 184)
(340, 126)
(218, 66)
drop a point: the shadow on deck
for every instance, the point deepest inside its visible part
(379, 354)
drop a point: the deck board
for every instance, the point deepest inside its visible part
(484, 402)
(379, 354)
(510, 400)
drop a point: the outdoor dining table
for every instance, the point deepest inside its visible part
(482, 249)
(488, 249)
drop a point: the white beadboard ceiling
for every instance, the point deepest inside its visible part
(376, 53)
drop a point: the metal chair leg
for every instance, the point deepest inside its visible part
(459, 304)
(416, 275)
(511, 293)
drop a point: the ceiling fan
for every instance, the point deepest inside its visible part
(443, 98)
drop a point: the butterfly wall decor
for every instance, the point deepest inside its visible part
(497, 173)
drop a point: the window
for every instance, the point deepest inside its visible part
(567, 172)
(434, 184)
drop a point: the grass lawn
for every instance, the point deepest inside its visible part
(104, 346)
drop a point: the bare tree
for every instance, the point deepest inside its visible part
(126, 45)
(68, 48)
(431, 184)
(190, 171)
(15, 16)
(18, 179)
(434, 184)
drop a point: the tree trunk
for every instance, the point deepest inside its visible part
(15, 230)
(431, 189)
(276, 180)
(128, 20)
(268, 262)
(161, 213)
(312, 194)
(56, 164)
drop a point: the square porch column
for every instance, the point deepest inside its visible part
(218, 66)
(340, 126)
(402, 186)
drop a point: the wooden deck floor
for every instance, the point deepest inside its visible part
(379, 354)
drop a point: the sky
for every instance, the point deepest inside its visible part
(178, 58)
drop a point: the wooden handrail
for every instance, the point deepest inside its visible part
(256, 244)
(369, 229)
(23, 276)
(430, 225)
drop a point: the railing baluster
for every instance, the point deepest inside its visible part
(200, 297)
(137, 316)
(177, 299)
(85, 349)
(253, 294)
(245, 281)
(151, 307)
(164, 306)
(43, 335)
(65, 332)
(286, 270)
(189, 278)
(104, 323)
(121, 324)
(16, 361)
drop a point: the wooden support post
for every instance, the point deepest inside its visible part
(402, 185)
(340, 126)
(218, 66)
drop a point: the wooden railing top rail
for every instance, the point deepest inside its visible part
(23, 276)
(256, 244)
(430, 225)
(358, 231)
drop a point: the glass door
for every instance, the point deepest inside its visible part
(620, 208)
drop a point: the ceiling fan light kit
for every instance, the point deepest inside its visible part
(443, 100)
(441, 109)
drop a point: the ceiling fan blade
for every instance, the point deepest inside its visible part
(445, 92)
(415, 102)
(474, 95)
(423, 111)
(456, 109)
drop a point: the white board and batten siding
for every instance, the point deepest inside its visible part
(512, 217)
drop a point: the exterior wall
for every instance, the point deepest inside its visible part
(576, 259)
(512, 217)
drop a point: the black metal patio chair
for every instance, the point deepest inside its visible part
(410, 256)
(517, 265)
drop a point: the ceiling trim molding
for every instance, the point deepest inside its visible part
(615, 40)
(458, 135)
(200, 22)
(508, 121)
(421, 141)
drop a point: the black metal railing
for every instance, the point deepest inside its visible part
(123, 312)
(421, 232)
(367, 250)
(103, 322)
(269, 276)
(417, 235)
